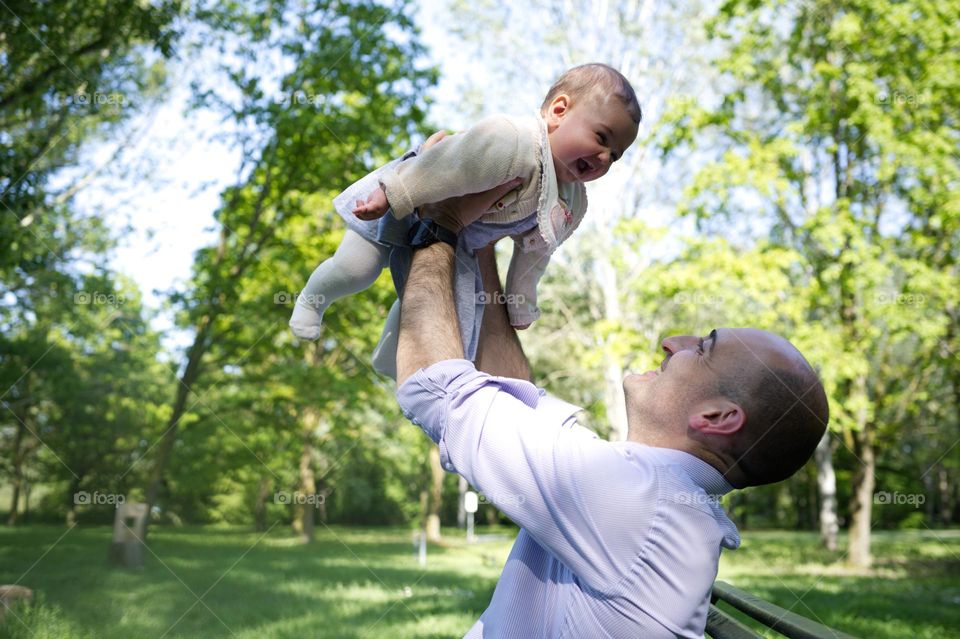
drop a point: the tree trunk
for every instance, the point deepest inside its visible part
(614, 398)
(169, 438)
(27, 489)
(861, 502)
(14, 502)
(436, 495)
(260, 506)
(201, 343)
(946, 497)
(305, 504)
(827, 489)
(16, 472)
(71, 517)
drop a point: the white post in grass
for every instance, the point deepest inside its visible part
(470, 503)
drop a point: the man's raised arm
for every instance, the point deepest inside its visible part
(498, 351)
(429, 332)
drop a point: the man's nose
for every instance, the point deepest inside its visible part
(676, 343)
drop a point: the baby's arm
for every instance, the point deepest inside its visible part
(376, 205)
(476, 160)
(526, 269)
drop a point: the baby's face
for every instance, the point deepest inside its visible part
(586, 137)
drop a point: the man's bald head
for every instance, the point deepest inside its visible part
(745, 400)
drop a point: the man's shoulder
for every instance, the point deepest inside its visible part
(565, 412)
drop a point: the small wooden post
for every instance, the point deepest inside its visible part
(12, 596)
(129, 527)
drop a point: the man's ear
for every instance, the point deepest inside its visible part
(557, 109)
(718, 416)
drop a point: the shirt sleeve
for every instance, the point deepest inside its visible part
(486, 155)
(523, 277)
(525, 452)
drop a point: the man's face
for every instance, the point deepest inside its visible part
(661, 401)
(586, 137)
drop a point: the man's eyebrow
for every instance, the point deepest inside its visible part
(713, 339)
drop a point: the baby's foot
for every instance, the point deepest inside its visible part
(305, 321)
(374, 208)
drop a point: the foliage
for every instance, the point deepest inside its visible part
(832, 138)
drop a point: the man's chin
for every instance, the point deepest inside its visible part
(640, 388)
(642, 377)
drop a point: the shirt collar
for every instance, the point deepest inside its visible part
(702, 473)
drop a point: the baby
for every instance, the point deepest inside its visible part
(588, 119)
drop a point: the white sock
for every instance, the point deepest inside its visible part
(353, 268)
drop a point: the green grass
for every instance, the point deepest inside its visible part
(912, 591)
(356, 582)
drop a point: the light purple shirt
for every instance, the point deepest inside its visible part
(618, 539)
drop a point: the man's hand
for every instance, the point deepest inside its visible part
(457, 213)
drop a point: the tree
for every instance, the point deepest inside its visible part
(352, 97)
(65, 82)
(833, 138)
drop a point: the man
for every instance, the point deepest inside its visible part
(618, 539)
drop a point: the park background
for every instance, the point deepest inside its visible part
(167, 172)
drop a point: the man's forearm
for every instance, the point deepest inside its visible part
(429, 331)
(498, 350)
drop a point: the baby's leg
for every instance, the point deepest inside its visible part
(354, 267)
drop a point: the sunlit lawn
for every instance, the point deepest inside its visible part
(217, 582)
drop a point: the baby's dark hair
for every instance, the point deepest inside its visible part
(595, 79)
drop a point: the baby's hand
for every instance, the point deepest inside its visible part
(374, 208)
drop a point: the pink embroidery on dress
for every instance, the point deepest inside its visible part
(561, 218)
